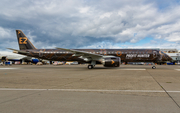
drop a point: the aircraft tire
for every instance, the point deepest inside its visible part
(90, 66)
(153, 67)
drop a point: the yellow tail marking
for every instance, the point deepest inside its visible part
(19, 32)
(23, 40)
(112, 61)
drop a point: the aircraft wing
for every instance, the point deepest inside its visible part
(84, 54)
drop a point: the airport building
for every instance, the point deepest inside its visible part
(169, 50)
(173, 53)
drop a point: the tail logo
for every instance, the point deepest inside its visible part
(23, 40)
(19, 32)
(112, 62)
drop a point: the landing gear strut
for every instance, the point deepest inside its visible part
(93, 63)
(90, 66)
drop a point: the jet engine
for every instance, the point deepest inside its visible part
(111, 62)
(31, 60)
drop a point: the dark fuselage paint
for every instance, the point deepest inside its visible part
(126, 55)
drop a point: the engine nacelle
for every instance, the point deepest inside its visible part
(111, 62)
(35, 60)
(31, 60)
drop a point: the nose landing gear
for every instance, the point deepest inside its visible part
(153, 67)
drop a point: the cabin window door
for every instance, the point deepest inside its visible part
(154, 54)
(40, 53)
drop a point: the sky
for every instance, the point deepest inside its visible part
(92, 24)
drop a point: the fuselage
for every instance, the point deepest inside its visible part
(107, 57)
(126, 55)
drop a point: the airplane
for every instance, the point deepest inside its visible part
(4, 55)
(107, 57)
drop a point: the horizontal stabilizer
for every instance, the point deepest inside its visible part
(17, 50)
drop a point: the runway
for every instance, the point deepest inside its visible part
(76, 89)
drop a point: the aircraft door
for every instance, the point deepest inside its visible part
(40, 53)
(3, 58)
(103, 52)
(154, 54)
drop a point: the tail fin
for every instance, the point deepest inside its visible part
(23, 41)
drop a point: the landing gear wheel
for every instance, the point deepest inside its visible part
(90, 66)
(154, 67)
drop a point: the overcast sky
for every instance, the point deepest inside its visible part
(91, 23)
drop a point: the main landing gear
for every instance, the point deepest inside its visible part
(90, 66)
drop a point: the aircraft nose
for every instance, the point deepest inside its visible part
(167, 57)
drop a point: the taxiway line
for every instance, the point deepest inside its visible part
(134, 69)
(88, 90)
(177, 69)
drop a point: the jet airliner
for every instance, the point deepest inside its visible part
(16, 57)
(107, 57)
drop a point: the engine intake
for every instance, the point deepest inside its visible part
(112, 62)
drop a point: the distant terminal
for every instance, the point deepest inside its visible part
(174, 54)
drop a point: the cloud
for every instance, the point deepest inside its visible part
(82, 23)
(174, 37)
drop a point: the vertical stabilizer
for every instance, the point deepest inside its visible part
(23, 41)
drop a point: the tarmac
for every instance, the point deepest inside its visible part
(76, 89)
